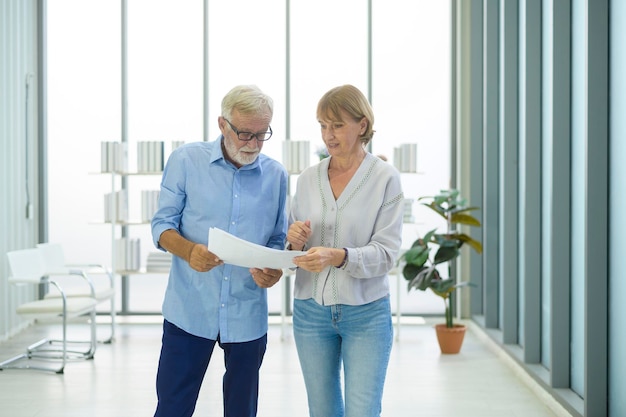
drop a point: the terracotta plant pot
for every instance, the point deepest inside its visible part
(450, 339)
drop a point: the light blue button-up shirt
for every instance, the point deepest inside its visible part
(199, 190)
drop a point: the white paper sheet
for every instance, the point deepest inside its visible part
(235, 251)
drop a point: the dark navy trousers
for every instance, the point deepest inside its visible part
(184, 361)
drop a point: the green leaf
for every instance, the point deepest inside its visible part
(446, 253)
(450, 194)
(464, 209)
(410, 271)
(474, 244)
(436, 208)
(417, 255)
(448, 240)
(443, 287)
(460, 218)
(428, 236)
(423, 279)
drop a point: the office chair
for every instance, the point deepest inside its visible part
(28, 268)
(54, 259)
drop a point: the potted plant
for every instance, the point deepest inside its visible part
(421, 268)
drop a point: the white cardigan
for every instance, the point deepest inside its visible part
(366, 219)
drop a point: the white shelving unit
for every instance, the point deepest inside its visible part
(122, 228)
(128, 184)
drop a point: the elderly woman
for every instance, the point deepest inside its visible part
(347, 214)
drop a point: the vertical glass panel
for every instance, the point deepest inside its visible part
(617, 266)
(411, 83)
(84, 109)
(328, 49)
(523, 184)
(165, 104)
(411, 100)
(578, 240)
(247, 46)
(165, 83)
(546, 185)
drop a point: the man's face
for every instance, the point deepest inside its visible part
(241, 152)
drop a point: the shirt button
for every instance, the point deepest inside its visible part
(222, 305)
(225, 278)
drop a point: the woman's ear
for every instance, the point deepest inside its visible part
(364, 124)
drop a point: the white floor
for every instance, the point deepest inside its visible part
(119, 381)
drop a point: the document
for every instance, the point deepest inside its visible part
(235, 251)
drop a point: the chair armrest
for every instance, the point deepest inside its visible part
(95, 269)
(76, 272)
(23, 281)
(27, 280)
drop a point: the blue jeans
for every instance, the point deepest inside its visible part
(184, 361)
(361, 338)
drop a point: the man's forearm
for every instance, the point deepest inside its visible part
(177, 245)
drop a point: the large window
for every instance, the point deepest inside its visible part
(329, 45)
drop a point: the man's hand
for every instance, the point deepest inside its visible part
(266, 277)
(202, 260)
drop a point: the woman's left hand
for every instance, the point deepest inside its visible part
(318, 258)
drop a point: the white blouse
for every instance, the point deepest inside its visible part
(366, 219)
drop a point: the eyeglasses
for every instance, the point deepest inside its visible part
(248, 136)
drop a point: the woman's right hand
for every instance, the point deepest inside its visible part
(298, 234)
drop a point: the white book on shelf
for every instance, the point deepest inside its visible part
(121, 157)
(296, 155)
(405, 157)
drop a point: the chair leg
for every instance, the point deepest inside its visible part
(113, 321)
(64, 348)
(44, 350)
(22, 361)
(92, 328)
(113, 324)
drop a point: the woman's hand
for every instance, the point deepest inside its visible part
(318, 258)
(298, 234)
(266, 277)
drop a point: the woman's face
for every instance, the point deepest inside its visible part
(342, 137)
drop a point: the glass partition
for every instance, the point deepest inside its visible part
(247, 40)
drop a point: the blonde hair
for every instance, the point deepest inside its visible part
(247, 99)
(351, 100)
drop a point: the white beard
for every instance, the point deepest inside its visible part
(241, 156)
